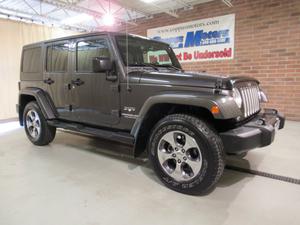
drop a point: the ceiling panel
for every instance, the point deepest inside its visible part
(57, 11)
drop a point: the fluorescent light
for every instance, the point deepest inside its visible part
(108, 20)
(77, 19)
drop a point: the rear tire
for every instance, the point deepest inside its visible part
(38, 131)
(186, 153)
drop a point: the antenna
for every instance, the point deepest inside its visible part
(127, 76)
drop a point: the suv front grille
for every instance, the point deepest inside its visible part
(250, 96)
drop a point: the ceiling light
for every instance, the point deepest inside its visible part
(77, 19)
(108, 20)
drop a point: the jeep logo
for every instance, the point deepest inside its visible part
(129, 109)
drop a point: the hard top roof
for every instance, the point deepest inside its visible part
(81, 36)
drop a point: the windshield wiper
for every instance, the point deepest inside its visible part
(145, 64)
(169, 65)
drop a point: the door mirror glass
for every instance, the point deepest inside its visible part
(102, 64)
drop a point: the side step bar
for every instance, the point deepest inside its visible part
(117, 136)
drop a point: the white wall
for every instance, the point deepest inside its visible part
(13, 35)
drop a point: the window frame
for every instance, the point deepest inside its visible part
(90, 39)
(46, 56)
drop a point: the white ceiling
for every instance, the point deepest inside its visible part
(54, 12)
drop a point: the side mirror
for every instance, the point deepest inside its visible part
(102, 64)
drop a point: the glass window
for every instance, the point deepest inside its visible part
(57, 58)
(89, 50)
(31, 60)
(143, 52)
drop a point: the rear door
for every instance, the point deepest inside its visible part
(57, 76)
(94, 98)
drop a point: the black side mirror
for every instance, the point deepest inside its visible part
(102, 64)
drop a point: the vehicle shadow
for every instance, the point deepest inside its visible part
(121, 152)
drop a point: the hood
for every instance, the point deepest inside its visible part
(191, 79)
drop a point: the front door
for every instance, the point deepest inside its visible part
(57, 76)
(94, 99)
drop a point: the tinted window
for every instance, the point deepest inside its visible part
(143, 51)
(57, 58)
(87, 51)
(31, 60)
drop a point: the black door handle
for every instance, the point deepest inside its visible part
(112, 77)
(77, 82)
(49, 81)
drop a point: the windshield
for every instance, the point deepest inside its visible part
(144, 52)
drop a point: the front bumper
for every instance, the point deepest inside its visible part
(258, 132)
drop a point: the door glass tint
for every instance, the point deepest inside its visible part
(144, 51)
(57, 58)
(31, 60)
(86, 51)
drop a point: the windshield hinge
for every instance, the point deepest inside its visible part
(219, 84)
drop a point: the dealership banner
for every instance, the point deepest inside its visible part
(201, 40)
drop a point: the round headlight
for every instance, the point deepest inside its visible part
(237, 97)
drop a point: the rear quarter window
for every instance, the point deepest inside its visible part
(32, 60)
(57, 58)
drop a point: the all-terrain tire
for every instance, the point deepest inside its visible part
(47, 132)
(210, 145)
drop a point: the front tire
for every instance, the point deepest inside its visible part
(186, 154)
(38, 131)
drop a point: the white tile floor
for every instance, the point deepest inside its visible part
(72, 181)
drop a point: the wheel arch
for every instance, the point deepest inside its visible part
(143, 127)
(43, 100)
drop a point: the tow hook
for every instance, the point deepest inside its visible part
(261, 121)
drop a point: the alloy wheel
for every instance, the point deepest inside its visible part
(33, 124)
(179, 155)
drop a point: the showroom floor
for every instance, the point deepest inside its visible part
(74, 182)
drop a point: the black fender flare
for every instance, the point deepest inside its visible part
(228, 107)
(43, 99)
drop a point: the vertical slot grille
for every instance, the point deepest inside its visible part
(250, 96)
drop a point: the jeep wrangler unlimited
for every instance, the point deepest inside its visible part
(132, 90)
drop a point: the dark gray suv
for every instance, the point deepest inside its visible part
(132, 90)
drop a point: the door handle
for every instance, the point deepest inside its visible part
(49, 81)
(77, 82)
(111, 77)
